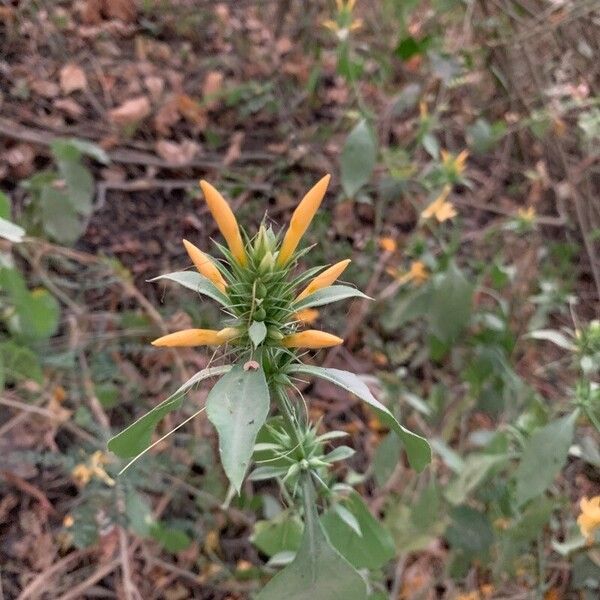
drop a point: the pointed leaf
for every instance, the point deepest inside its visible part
(138, 436)
(257, 332)
(358, 158)
(196, 282)
(317, 572)
(238, 406)
(330, 294)
(417, 448)
(11, 232)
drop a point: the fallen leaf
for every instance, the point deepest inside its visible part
(125, 10)
(191, 110)
(130, 112)
(20, 158)
(167, 115)
(47, 89)
(213, 82)
(177, 154)
(72, 78)
(235, 148)
(155, 86)
(69, 107)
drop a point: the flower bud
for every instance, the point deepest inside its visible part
(311, 339)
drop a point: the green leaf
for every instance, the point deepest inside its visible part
(11, 232)
(411, 306)
(72, 148)
(59, 219)
(387, 456)
(80, 185)
(417, 448)
(333, 293)
(139, 513)
(138, 436)
(551, 335)
(19, 363)
(470, 531)
(5, 206)
(171, 539)
(37, 314)
(543, 457)
(318, 572)
(372, 548)
(450, 308)
(257, 332)
(474, 471)
(281, 534)
(358, 159)
(238, 406)
(196, 282)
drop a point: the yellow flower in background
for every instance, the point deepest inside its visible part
(226, 221)
(311, 339)
(205, 265)
(94, 467)
(344, 23)
(454, 165)
(423, 110)
(301, 219)
(417, 273)
(325, 279)
(589, 519)
(527, 215)
(307, 315)
(387, 244)
(440, 209)
(197, 337)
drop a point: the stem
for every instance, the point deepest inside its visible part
(282, 401)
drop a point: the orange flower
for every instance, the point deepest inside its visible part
(197, 337)
(589, 519)
(307, 315)
(388, 244)
(417, 273)
(455, 164)
(301, 219)
(440, 208)
(226, 221)
(325, 279)
(205, 265)
(311, 339)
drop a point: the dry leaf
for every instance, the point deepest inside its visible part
(72, 78)
(191, 110)
(69, 107)
(177, 154)
(155, 86)
(47, 89)
(130, 112)
(211, 89)
(125, 10)
(235, 148)
(167, 115)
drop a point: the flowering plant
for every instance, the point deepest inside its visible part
(263, 297)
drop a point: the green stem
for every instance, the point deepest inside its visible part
(282, 401)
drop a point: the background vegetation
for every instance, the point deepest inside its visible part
(463, 141)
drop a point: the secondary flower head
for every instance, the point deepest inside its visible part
(388, 244)
(265, 301)
(440, 209)
(417, 274)
(527, 215)
(226, 221)
(454, 166)
(83, 473)
(589, 519)
(344, 22)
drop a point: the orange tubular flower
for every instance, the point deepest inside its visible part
(226, 221)
(197, 337)
(440, 208)
(205, 265)
(307, 315)
(589, 519)
(325, 279)
(311, 339)
(301, 219)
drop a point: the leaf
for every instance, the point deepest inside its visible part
(171, 539)
(19, 363)
(11, 232)
(138, 436)
(543, 457)
(333, 293)
(372, 548)
(317, 572)
(358, 159)
(80, 185)
(38, 314)
(238, 406)
(281, 534)
(72, 78)
(5, 206)
(431, 144)
(59, 219)
(473, 472)
(470, 531)
(387, 456)
(450, 308)
(417, 448)
(197, 283)
(257, 332)
(82, 146)
(551, 335)
(411, 306)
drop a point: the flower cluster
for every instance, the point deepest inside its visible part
(257, 282)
